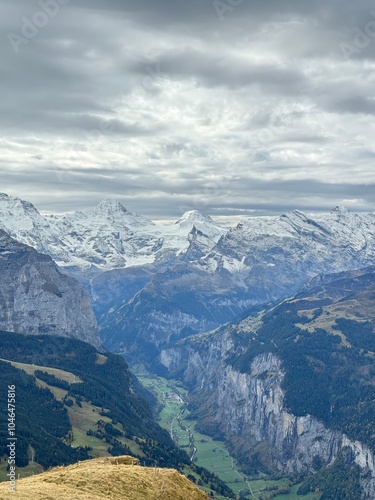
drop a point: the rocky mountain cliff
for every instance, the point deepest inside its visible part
(36, 298)
(291, 388)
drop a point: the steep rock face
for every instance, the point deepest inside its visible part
(249, 410)
(254, 403)
(36, 298)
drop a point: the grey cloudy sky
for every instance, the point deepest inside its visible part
(228, 106)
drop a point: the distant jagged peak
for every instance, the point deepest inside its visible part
(19, 217)
(294, 215)
(300, 220)
(110, 205)
(115, 210)
(341, 215)
(192, 217)
(339, 209)
(9, 203)
(290, 224)
(6, 197)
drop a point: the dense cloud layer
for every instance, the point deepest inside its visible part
(221, 105)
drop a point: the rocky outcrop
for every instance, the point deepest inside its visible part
(36, 298)
(249, 410)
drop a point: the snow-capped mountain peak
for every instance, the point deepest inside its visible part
(194, 217)
(339, 210)
(110, 206)
(22, 220)
(115, 211)
(11, 206)
(203, 231)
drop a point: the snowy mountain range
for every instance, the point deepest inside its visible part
(106, 237)
(151, 284)
(111, 237)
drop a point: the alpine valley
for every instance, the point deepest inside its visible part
(268, 327)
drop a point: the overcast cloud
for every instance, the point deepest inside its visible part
(230, 107)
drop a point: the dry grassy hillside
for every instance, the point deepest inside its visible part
(98, 479)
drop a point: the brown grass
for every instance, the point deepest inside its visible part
(100, 479)
(100, 359)
(30, 370)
